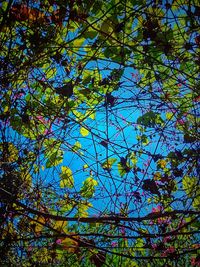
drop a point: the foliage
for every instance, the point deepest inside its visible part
(99, 132)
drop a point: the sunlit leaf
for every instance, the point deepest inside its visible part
(84, 131)
(66, 177)
(69, 244)
(66, 204)
(161, 163)
(92, 115)
(88, 188)
(190, 185)
(6, 109)
(38, 224)
(54, 159)
(51, 73)
(157, 176)
(42, 255)
(77, 44)
(85, 166)
(76, 146)
(83, 207)
(9, 151)
(60, 226)
(169, 115)
(107, 165)
(4, 5)
(196, 202)
(26, 178)
(133, 158)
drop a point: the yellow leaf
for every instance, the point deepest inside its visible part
(76, 146)
(10, 152)
(43, 256)
(26, 178)
(77, 44)
(196, 202)
(66, 176)
(92, 116)
(60, 225)
(84, 131)
(79, 115)
(85, 166)
(8, 230)
(157, 176)
(51, 73)
(6, 109)
(69, 244)
(38, 224)
(108, 163)
(91, 181)
(169, 115)
(133, 158)
(161, 163)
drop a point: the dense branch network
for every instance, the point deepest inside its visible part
(99, 132)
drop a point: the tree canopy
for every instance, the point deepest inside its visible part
(99, 120)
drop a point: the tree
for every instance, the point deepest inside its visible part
(99, 133)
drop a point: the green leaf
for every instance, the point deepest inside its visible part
(107, 165)
(169, 115)
(51, 143)
(150, 119)
(133, 158)
(90, 34)
(51, 73)
(88, 188)
(54, 159)
(4, 5)
(66, 177)
(92, 115)
(9, 151)
(76, 146)
(189, 185)
(84, 131)
(107, 26)
(196, 202)
(83, 206)
(192, 189)
(85, 166)
(86, 79)
(76, 45)
(123, 169)
(161, 164)
(53, 153)
(144, 139)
